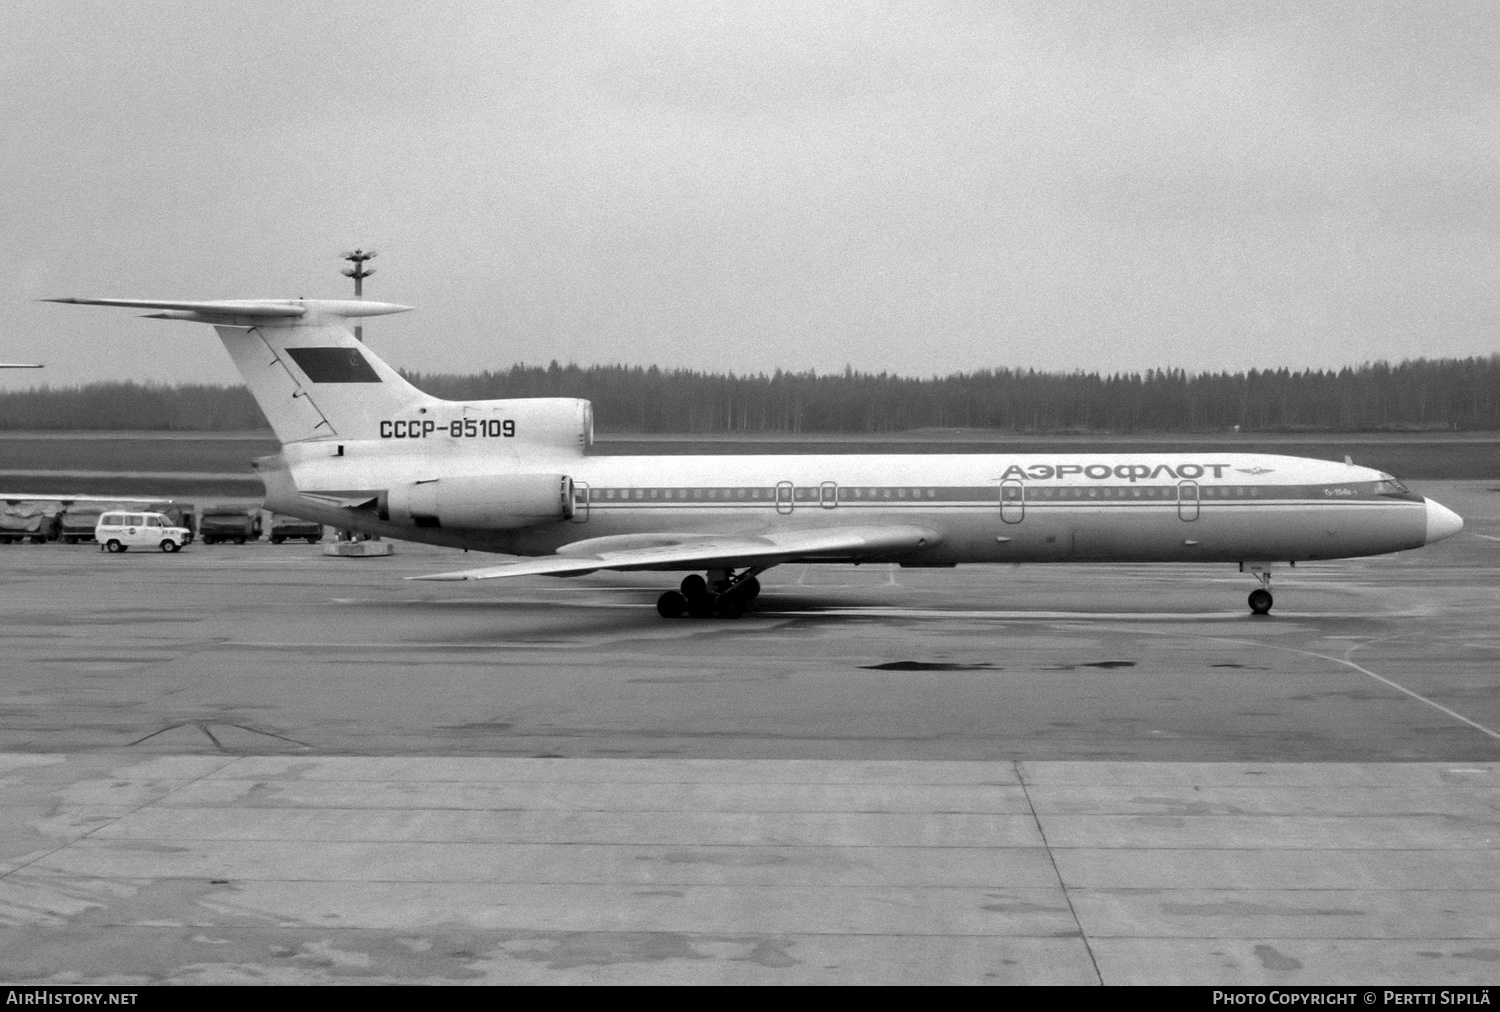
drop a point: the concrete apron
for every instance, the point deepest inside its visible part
(217, 869)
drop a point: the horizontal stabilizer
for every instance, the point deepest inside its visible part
(699, 551)
(249, 312)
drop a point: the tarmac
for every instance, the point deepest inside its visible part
(260, 764)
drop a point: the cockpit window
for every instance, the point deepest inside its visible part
(1390, 486)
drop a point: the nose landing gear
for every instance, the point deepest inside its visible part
(722, 594)
(1260, 599)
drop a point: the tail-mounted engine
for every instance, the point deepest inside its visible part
(560, 423)
(491, 502)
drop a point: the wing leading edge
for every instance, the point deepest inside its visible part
(699, 551)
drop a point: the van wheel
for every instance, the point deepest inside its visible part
(113, 546)
(168, 545)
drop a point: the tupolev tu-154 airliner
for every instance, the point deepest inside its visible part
(364, 450)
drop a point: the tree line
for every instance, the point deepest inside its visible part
(1455, 394)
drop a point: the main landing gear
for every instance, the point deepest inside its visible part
(1260, 599)
(722, 593)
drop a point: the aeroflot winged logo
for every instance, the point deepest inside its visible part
(1100, 472)
(1255, 470)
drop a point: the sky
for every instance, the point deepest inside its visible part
(920, 188)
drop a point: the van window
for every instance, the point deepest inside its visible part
(153, 521)
(134, 520)
(110, 520)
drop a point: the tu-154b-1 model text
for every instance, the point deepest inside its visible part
(364, 450)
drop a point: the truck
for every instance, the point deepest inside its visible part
(37, 519)
(229, 523)
(283, 527)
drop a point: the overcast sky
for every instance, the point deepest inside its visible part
(922, 187)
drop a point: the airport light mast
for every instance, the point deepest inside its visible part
(358, 273)
(348, 542)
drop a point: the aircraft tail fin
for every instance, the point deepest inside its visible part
(307, 372)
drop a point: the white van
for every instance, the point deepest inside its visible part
(119, 531)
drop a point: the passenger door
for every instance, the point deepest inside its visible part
(1012, 501)
(1187, 500)
(785, 493)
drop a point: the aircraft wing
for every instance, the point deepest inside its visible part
(706, 551)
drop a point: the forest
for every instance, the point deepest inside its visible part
(1417, 395)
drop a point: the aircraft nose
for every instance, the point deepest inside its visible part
(1441, 522)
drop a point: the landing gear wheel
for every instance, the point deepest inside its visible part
(169, 546)
(1260, 602)
(694, 586)
(750, 588)
(277, 539)
(731, 605)
(113, 546)
(671, 605)
(700, 607)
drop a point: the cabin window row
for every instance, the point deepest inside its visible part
(1009, 493)
(1012, 493)
(803, 493)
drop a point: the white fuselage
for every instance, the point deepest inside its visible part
(1208, 507)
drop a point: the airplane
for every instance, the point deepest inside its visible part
(20, 365)
(364, 450)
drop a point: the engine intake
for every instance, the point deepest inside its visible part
(492, 502)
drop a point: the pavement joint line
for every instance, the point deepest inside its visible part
(1036, 819)
(22, 866)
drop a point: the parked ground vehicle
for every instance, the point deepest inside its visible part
(283, 527)
(37, 519)
(120, 531)
(229, 523)
(81, 518)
